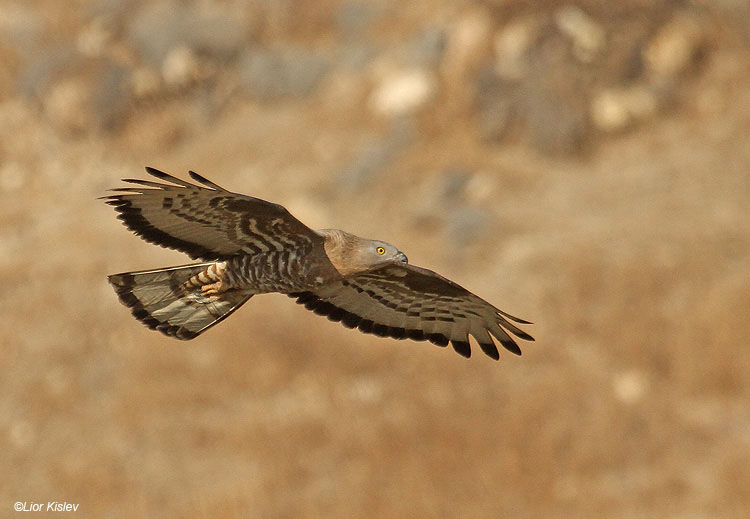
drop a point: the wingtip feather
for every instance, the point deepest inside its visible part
(156, 173)
(490, 350)
(462, 348)
(513, 318)
(511, 346)
(166, 176)
(203, 180)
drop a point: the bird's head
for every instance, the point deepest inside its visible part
(382, 252)
(350, 253)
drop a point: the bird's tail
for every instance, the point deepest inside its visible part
(163, 301)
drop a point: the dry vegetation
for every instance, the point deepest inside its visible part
(585, 167)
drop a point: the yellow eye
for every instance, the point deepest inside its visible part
(380, 250)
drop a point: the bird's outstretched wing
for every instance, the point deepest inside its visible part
(407, 302)
(208, 223)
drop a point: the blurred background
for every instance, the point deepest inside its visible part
(581, 164)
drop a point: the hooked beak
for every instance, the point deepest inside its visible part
(402, 257)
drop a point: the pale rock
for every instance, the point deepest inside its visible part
(480, 188)
(673, 47)
(180, 66)
(616, 108)
(467, 39)
(587, 35)
(630, 386)
(402, 92)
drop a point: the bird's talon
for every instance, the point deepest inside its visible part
(213, 289)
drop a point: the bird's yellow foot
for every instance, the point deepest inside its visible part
(214, 289)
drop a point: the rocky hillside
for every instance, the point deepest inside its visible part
(583, 165)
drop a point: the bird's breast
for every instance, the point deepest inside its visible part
(278, 271)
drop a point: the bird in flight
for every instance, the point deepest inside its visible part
(249, 246)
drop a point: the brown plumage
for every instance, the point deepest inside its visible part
(249, 246)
